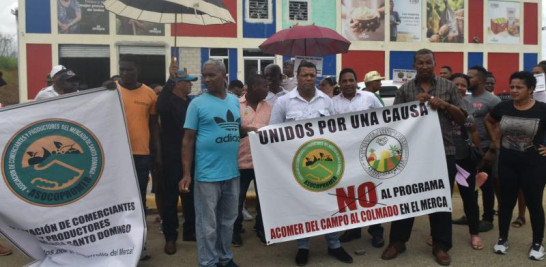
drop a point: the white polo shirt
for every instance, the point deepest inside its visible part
(271, 98)
(363, 100)
(293, 107)
(46, 93)
(290, 83)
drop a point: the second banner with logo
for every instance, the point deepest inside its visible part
(334, 173)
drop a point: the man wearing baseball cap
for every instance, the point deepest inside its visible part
(372, 80)
(64, 81)
(172, 103)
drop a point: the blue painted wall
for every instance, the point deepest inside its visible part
(529, 61)
(328, 66)
(38, 16)
(400, 60)
(232, 55)
(204, 57)
(475, 59)
(258, 30)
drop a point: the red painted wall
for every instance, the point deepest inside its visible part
(452, 59)
(502, 65)
(364, 61)
(221, 30)
(530, 23)
(475, 19)
(38, 66)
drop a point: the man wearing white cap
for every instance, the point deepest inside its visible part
(372, 80)
(64, 81)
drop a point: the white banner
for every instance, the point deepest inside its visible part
(334, 173)
(70, 193)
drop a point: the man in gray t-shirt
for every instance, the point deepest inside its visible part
(483, 102)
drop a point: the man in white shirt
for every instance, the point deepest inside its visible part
(351, 99)
(307, 102)
(64, 81)
(53, 76)
(273, 76)
(289, 82)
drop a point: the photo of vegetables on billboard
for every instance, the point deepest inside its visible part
(504, 22)
(363, 20)
(445, 21)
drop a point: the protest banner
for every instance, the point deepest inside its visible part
(352, 170)
(70, 194)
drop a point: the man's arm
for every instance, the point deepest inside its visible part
(492, 126)
(456, 113)
(188, 147)
(454, 107)
(475, 136)
(154, 135)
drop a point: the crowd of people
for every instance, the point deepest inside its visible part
(197, 149)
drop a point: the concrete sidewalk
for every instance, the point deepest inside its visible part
(254, 253)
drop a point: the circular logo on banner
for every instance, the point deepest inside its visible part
(384, 153)
(318, 165)
(52, 162)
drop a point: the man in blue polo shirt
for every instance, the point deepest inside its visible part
(212, 132)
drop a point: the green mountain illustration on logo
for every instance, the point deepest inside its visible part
(318, 166)
(229, 124)
(54, 170)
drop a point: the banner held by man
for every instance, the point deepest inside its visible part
(334, 173)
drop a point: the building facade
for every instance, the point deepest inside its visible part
(502, 36)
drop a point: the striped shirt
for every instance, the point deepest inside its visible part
(443, 89)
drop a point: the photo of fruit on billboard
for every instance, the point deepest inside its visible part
(363, 20)
(445, 21)
(503, 22)
(402, 76)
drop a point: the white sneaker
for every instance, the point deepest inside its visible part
(246, 215)
(501, 247)
(537, 254)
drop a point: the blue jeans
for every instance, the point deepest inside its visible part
(215, 213)
(332, 239)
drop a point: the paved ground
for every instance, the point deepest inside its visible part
(254, 253)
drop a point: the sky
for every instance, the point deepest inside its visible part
(8, 25)
(7, 20)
